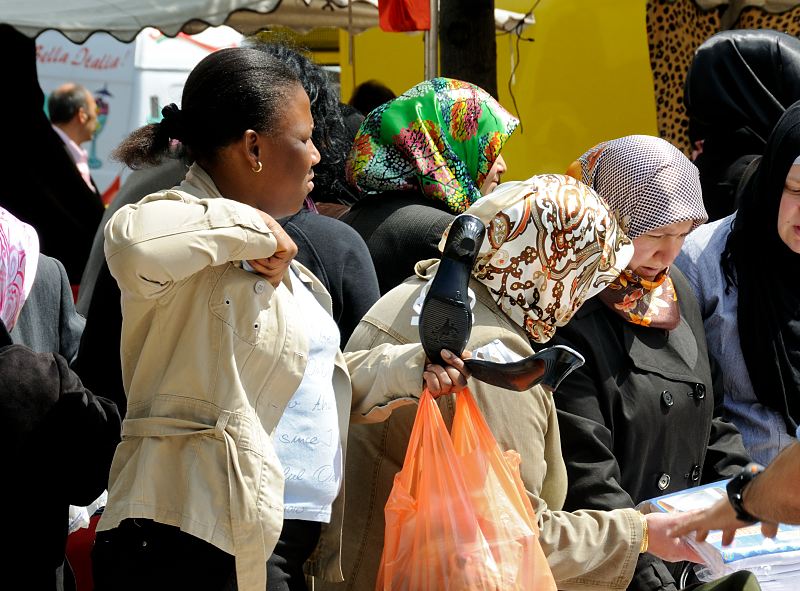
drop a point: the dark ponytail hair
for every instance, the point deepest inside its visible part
(228, 92)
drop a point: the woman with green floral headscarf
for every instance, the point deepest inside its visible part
(418, 160)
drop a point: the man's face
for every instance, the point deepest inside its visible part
(88, 119)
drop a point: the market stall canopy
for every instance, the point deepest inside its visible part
(77, 19)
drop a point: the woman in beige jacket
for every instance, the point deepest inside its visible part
(239, 400)
(551, 244)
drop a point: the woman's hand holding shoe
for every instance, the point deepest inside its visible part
(273, 268)
(449, 379)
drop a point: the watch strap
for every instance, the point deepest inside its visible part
(735, 489)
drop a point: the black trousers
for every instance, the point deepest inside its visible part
(285, 566)
(144, 554)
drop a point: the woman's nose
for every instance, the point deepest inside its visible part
(670, 252)
(315, 156)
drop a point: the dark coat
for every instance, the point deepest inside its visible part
(57, 441)
(48, 322)
(400, 228)
(639, 419)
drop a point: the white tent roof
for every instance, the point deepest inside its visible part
(77, 19)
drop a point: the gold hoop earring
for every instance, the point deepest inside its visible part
(257, 169)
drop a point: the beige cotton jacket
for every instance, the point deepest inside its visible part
(211, 355)
(585, 549)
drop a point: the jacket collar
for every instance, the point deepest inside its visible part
(199, 183)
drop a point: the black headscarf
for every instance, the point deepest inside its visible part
(767, 274)
(738, 86)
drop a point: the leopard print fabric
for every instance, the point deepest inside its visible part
(756, 18)
(675, 29)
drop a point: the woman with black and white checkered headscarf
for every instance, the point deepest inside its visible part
(637, 419)
(655, 192)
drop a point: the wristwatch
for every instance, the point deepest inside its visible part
(736, 487)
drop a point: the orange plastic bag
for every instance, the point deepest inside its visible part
(458, 517)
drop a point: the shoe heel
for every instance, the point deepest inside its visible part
(446, 319)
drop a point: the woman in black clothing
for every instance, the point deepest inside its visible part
(738, 86)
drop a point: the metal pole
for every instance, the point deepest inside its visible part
(432, 43)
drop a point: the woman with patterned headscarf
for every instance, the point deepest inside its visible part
(551, 243)
(417, 161)
(745, 270)
(637, 420)
(35, 297)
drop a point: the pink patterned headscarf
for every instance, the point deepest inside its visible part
(19, 257)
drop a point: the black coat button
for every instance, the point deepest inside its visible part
(695, 473)
(667, 398)
(699, 391)
(663, 481)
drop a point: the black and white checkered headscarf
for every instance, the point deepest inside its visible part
(647, 182)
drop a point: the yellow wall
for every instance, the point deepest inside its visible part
(584, 79)
(396, 59)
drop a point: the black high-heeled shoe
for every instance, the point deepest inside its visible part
(446, 319)
(548, 367)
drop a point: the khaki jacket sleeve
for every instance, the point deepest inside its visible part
(601, 545)
(382, 378)
(170, 236)
(385, 372)
(585, 549)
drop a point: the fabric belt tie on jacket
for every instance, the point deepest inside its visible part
(248, 540)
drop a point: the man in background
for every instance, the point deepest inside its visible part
(73, 114)
(41, 184)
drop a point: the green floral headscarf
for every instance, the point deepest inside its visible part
(441, 137)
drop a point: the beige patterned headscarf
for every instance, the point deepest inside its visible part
(551, 243)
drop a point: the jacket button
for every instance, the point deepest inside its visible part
(663, 481)
(699, 391)
(667, 398)
(259, 287)
(695, 473)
